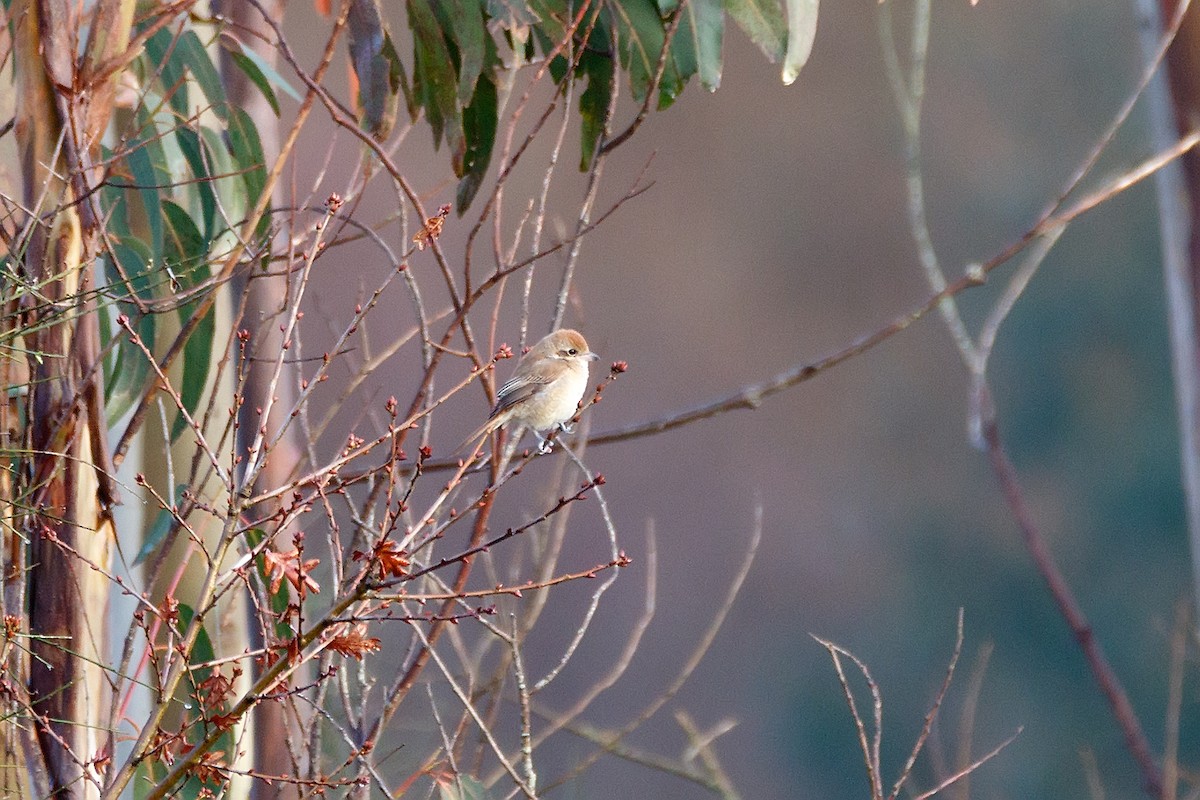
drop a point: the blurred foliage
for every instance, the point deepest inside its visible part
(187, 168)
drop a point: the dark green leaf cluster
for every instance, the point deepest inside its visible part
(457, 59)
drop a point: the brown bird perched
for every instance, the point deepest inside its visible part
(544, 390)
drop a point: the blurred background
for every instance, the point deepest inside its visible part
(775, 232)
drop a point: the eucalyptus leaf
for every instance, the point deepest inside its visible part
(463, 787)
(268, 71)
(763, 22)
(248, 158)
(594, 102)
(512, 15)
(434, 78)
(130, 368)
(189, 144)
(161, 60)
(641, 33)
(187, 251)
(703, 28)
(256, 76)
(479, 130)
(375, 66)
(195, 57)
(147, 166)
(463, 21)
(802, 31)
(280, 598)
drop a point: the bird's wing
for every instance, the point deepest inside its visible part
(518, 389)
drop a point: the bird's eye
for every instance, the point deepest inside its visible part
(572, 352)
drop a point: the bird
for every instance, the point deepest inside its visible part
(544, 390)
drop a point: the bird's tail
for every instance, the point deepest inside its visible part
(483, 430)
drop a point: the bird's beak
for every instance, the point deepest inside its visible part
(593, 357)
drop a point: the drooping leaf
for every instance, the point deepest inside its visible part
(160, 59)
(763, 22)
(189, 144)
(113, 199)
(802, 31)
(202, 653)
(256, 76)
(247, 152)
(594, 102)
(703, 28)
(264, 67)
(479, 130)
(434, 79)
(375, 65)
(512, 15)
(185, 246)
(187, 251)
(147, 166)
(641, 32)
(229, 186)
(411, 102)
(195, 57)
(130, 369)
(462, 20)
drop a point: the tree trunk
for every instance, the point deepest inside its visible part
(64, 488)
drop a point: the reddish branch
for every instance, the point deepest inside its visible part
(1068, 606)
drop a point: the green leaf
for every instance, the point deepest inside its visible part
(479, 129)
(267, 70)
(256, 76)
(434, 80)
(202, 651)
(641, 34)
(376, 66)
(189, 144)
(411, 102)
(185, 246)
(247, 152)
(195, 57)
(763, 22)
(462, 20)
(228, 186)
(172, 56)
(164, 521)
(802, 31)
(113, 201)
(512, 15)
(593, 103)
(130, 369)
(703, 28)
(169, 68)
(147, 166)
(187, 251)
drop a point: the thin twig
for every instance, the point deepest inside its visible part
(1118, 700)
